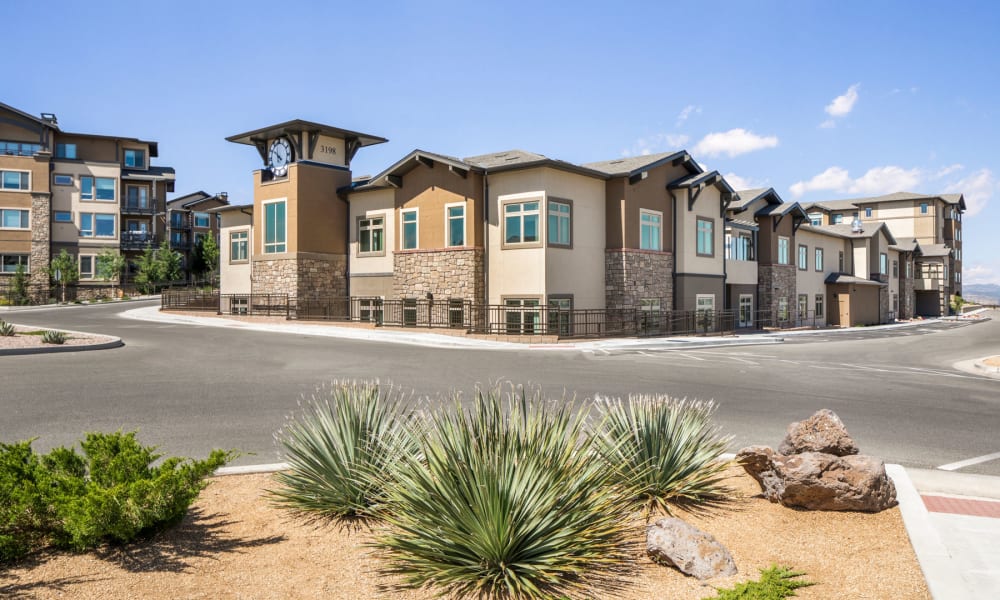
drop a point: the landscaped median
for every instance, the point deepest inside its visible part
(20, 339)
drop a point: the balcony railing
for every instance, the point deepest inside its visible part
(180, 244)
(135, 209)
(180, 221)
(137, 240)
(880, 277)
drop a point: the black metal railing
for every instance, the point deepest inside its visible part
(135, 209)
(189, 299)
(137, 240)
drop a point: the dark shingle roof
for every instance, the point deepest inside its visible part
(631, 164)
(845, 278)
(505, 158)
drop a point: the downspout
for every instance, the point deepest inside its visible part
(486, 238)
(249, 246)
(673, 250)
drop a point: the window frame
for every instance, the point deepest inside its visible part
(818, 259)
(819, 306)
(93, 225)
(647, 212)
(924, 208)
(836, 219)
(97, 189)
(564, 323)
(869, 212)
(803, 257)
(67, 213)
(208, 220)
(708, 232)
(448, 218)
(520, 327)
(140, 200)
(403, 215)
(21, 219)
(87, 274)
(125, 156)
(21, 180)
(63, 154)
(359, 227)
(883, 264)
(84, 195)
(559, 216)
(803, 303)
(276, 246)
(26, 262)
(523, 215)
(784, 244)
(57, 176)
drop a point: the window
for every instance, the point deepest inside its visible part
(201, 219)
(883, 263)
(409, 312)
(15, 180)
(66, 151)
(704, 310)
(14, 218)
(137, 196)
(560, 224)
(62, 179)
(909, 269)
(520, 222)
(803, 306)
(819, 259)
(840, 262)
(62, 216)
(706, 237)
(739, 246)
(105, 188)
(923, 208)
(560, 316)
(86, 266)
(411, 237)
(803, 257)
(746, 310)
(456, 312)
(86, 188)
(650, 230)
(9, 262)
(649, 304)
(135, 158)
(815, 219)
(176, 219)
(19, 148)
(837, 219)
(455, 216)
(371, 236)
(371, 309)
(945, 272)
(239, 306)
(782, 309)
(239, 244)
(819, 306)
(97, 225)
(783, 257)
(274, 227)
(895, 268)
(868, 211)
(522, 315)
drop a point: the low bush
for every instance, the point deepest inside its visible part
(666, 449)
(110, 493)
(6, 329)
(53, 337)
(775, 583)
(342, 450)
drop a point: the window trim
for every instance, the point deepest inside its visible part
(18, 189)
(818, 259)
(63, 155)
(925, 208)
(538, 306)
(129, 188)
(92, 274)
(27, 262)
(819, 306)
(883, 263)
(357, 233)
(21, 210)
(125, 164)
(114, 189)
(525, 198)
(659, 242)
(56, 176)
(284, 234)
(93, 187)
(698, 232)
(803, 257)
(415, 211)
(68, 213)
(788, 250)
(447, 225)
(208, 219)
(549, 310)
(548, 230)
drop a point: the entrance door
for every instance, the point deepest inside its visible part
(844, 302)
(746, 310)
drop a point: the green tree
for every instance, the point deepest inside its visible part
(19, 286)
(147, 271)
(64, 270)
(110, 265)
(170, 263)
(206, 257)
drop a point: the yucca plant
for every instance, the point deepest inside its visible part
(342, 451)
(509, 502)
(667, 450)
(52, 336)
(6, 329)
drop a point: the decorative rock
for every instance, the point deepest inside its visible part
(819, 481)
(822, 432)
(692, 551)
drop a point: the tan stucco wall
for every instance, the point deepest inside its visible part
(811, 281)
(93, 149)
(706, 206)
(234, 278)
(741, 272)
(376, 203)
(429, 190)
(859, 257)
(328, 150)
(372, 286)
(67, 198)
(321, 215)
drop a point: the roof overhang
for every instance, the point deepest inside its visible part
(251, 138)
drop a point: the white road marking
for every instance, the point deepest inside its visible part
(685, 355)
(969, 462)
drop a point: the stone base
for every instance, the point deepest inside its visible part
(453, 273)
(634, 275)
(300, 276)
(775, 282)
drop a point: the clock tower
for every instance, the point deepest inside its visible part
(300, 228)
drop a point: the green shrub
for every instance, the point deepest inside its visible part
(342, 450)
(53, 337)
(111, 493)
(6, 329)
(666, 449)
(509, 501)
(775, 583)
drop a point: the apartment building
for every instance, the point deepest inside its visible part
(189, 221)
(84, 193)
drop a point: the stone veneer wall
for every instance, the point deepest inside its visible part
(275, 276)
(907, 299)
(885, 304)
(632, 275)
(444, 273)
(301, 276)
(40, 239)
(774, 282)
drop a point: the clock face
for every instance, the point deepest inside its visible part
(279, 156)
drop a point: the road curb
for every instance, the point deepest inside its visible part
(251, 469)
(943, 579)
(113, 342)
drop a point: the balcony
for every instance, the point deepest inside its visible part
(137, 209)
(927, 284)
(880, 277)
(180, 243)
(180, 220)
(137, 240)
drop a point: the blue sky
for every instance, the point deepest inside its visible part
(819, 100)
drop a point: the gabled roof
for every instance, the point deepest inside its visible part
(25, 115)
(781, 209)
(298, 125)
(700, 180)
(742, 224)
(151, 172)
(193, 199)
(848, 203)
(747, 197)
(910, 245)
(407, 164)
(510, 160)
(935, 250)
(634, 164)
(846, 230)
(845, 278)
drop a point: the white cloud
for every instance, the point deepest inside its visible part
(978, 189)
(658, 142)
(686, 112)
(733, 143)
(834, 178)
(885, 180)
(743, 183)
(828, 124)
(981, 274)
(843, 104)
(945, 171)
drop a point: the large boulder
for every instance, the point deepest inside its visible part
(692, 551)
(822, 432)
(819, 481)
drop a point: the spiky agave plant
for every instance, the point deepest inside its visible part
(667, 450)
(509, 502)
(6, 329)
(342, 451)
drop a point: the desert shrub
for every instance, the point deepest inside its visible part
(53, 337)
(508, 501)
(667, 450)
(775, 583)
(6, 329)
(111, 493)
(342, 450)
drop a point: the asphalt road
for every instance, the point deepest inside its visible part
(189, 389)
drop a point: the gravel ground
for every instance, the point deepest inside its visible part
(233, 544)
(20, 340)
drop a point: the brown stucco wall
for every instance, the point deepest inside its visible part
(321, 215)
(688, 286)
(428, 190)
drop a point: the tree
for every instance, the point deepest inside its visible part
(206, 256)
(109, 266)
(19, 286)
(64, 270)
(147, 271)
(169, 261)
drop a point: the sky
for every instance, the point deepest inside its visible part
(819, 100)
